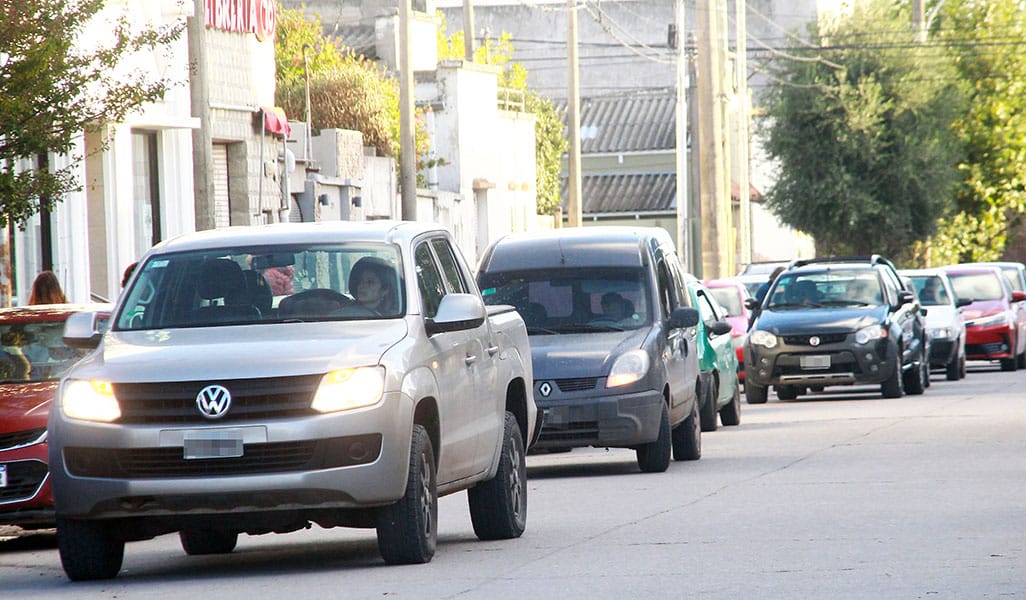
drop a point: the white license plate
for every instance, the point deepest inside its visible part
(815, 361)
(213, 444)
(3, 476)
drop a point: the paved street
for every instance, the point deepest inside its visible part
(834, 496)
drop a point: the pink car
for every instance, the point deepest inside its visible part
(731, 294)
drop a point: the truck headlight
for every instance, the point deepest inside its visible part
(940, 333)
(346, 389)
(870, 334)
(628, 368)
(89, 400)
(761, 337)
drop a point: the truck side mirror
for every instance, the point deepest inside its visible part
(456, 312)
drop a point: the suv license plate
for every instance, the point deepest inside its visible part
(3, 476)
(213, 446)
(815, 361)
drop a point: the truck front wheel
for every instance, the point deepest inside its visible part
(88, 550)
(498, 507)
(408, 529)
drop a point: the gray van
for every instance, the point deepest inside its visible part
(612, 337)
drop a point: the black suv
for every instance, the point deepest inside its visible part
(836, 321)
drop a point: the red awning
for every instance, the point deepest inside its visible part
(275, 120)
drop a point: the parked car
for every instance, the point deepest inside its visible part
(732, 294)
(612, 337)
(943, 320)
(719, 391)
(995, 328)
(32, 362)
(837, 321)
(376, 382)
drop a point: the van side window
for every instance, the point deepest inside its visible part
(429, 280)
(667, 297)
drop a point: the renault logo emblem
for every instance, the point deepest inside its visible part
(545, 389)
(214, 401)
(814, 340)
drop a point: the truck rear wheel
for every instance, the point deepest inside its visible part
(498, 507)
(654, 457)
(196, 542)
(408, 529)
(87, 549)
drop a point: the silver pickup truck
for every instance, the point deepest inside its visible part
(260, 379)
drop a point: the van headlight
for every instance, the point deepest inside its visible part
(628, 368)
(91, 400)
(761, 337)
(346, 389)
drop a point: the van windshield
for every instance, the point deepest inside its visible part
(260, 284)
(573, 300)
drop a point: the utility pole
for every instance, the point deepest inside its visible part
(407, 146)
(744, 226)
(681, 140)
(919, 20)
(715, 232)
(468, 30)
(573, 120)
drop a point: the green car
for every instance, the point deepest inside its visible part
(717, 360)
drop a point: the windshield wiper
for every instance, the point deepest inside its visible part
(586, 328)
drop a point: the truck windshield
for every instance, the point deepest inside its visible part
(572, 300)
(262, 284)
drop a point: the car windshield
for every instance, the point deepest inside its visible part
(35, 352)
(729, 298)
(262, 284)
(931, 290)
(573, 300)
(977, 286)
(833, 288)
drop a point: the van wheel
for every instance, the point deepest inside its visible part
(731, 413)
(654, 457)
(196, 542)
(88, 551)
(408, 529)
(756, 394)
(498, 507)
(687, 437)
(711, 393)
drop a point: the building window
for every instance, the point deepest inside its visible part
(145, 190)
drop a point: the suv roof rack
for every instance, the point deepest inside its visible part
(873, 259)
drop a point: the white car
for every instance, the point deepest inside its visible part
(947, 330)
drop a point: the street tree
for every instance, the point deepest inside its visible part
(985, 38)
(53, 90)
(860, 125)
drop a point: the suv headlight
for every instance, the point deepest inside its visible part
(89, 400)
(870, 334)
(998, 319)
(761, 337)
(628, 368)
(346, 389)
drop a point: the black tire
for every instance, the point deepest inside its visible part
(892, 387)
(787, 392)
(955, 367)
(88, 551)
(756, 394)
(687, 437)
(654, 457)
(914, 380)
(1008, 364)
(1020, 361)
(197, 542)
(408, 529)
(730, 414)
(962, 369)
(498, 507)
(711, 392)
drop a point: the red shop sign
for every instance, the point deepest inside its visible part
(244, 16)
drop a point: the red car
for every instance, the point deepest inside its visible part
(32, 360)
(994, 327)
(731, 294)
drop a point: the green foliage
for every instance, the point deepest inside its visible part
(51, 91)
(863, 137)
(297, 37)
(992, 192)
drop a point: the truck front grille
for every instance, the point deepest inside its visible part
(252, 399)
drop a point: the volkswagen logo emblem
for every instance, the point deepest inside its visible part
(545, 389)
(814, 340)
(214, 401)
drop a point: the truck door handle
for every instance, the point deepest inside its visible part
(492, 350)
(470, 359)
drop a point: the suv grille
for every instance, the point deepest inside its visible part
(23, 479)
(803, 340)
(175, 402)
(21, 438)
